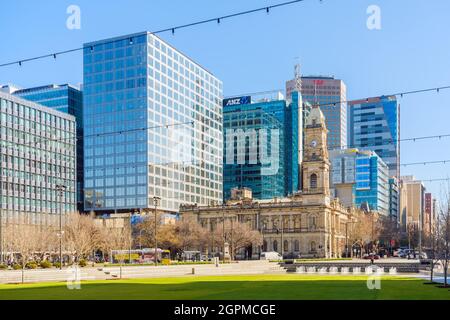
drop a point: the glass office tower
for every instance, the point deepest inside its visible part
(374, 125)
(65, 98)
(38, 153)
(361, 176)
(153, 127)
(330, 94)
(251, 127)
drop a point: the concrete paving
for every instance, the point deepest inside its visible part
(130, 272)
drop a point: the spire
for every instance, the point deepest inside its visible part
(316, 118)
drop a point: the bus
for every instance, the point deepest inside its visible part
(141, 256)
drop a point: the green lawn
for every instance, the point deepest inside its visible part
(232, 287)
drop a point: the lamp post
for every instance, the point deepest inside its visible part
(60, 188)
(155, 203)
(346, 237)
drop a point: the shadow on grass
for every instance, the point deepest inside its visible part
(198, 289)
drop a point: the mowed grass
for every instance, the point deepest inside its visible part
(277, 287)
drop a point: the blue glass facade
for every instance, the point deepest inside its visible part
(366, 173)
(153, 126)
(374, 125)
(372, 183)
(67, 99)
(244, 155)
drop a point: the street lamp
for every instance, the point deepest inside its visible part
(155, 202)
(60, 188)
(346, 236)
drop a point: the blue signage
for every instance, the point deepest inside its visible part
(237, 101)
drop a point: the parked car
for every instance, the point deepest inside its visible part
(271, 255)
(371, 256)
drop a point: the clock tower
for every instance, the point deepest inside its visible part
(316, 164)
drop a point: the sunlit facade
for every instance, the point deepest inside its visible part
(153, 127)
(38, 154)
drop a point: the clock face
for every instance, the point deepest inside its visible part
(314, 143)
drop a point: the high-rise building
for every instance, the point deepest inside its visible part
(152, 125)
(330, 94)
(261, 145)
(374, 125)
(394, 199)
(429, 214)
(412, 203)
(38, 156)
(359, 177)
(65, 98)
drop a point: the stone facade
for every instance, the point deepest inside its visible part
(306, 224)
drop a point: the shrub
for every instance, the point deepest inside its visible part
(16, 266)
(82, 263)
(45, 264)
(31, 265)
(56, 264)
(3, 266)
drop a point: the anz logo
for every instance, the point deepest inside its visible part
(236, 101)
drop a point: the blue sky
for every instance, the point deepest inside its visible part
(257, 52)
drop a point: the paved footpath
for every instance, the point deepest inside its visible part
(129, 272)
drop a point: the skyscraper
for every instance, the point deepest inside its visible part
(65, 98)
(412, 203)
(327, 92)
(261, 143)
(359, 177)
(153, 127)
(37, 150)
(374, 125)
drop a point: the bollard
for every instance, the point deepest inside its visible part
(193, 270)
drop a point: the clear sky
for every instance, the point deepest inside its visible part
(257, 52)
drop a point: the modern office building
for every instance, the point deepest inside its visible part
(374, 125)
(152, 126)
(261, 145)
(65, 98)
(359, 177)
(394, 199)
(429, 214)
(38, 159)
(330, 94)
(412, 203)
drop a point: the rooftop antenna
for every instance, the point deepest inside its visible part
(298, 76)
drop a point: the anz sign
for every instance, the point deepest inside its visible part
(236, 101)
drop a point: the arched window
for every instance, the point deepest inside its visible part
(264, 246)
(275, 245)
(296, 245)
(313, 181)
(313, 246)
(312, 222)
(285, 246)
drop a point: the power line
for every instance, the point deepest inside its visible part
(218, 20)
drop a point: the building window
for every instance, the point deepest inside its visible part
(313, 181)
(264, 246)
(285, 246)
(313, 246)
(296, 245)
(275, 245)
(312, 222)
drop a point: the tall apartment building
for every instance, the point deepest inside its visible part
(38, 154)
(261, 145)
(152, 127)
(374, 125)
(327, 92)
(412, 202)
(359, 177)
(394, 199)
(68, 99)
(429, 213)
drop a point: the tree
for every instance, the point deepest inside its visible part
(81, 235)
(389, 231)
(117, 239)
(239, 235)
(365, 231)
(444, 239)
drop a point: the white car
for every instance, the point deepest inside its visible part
(272, 255)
